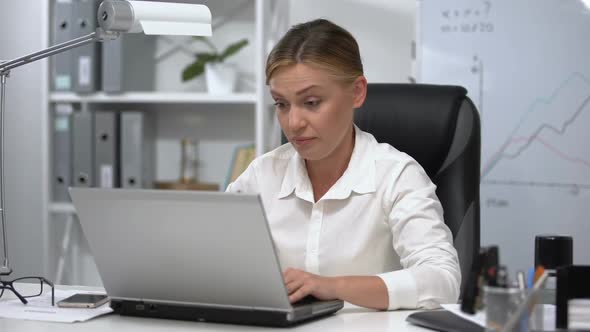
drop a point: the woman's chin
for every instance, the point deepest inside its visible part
(309, 155)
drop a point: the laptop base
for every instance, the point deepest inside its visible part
(207, 314)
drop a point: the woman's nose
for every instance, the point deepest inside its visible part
(296, 119)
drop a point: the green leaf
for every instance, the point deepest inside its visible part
(197, 68)
(233, 49)
(207, 57)
(193, 70)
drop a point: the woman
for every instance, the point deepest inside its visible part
(352, 219)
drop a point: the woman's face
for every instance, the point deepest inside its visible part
(314, 110)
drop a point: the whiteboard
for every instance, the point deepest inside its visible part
(526, 65)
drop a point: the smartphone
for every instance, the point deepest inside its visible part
(83, 301)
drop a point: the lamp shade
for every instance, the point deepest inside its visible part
(154, 18)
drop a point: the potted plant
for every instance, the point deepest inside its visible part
(220, 76)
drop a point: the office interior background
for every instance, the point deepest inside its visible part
(526, 70)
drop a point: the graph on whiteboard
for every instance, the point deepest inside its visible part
(525, 64)
(553, 129)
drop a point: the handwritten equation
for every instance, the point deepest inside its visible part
(468, 20)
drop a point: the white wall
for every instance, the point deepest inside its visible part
(384, 30)
(23, 30)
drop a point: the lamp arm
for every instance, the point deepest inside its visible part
(5, 66)
(4, 267)
(98, 35)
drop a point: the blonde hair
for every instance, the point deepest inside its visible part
(319, 43)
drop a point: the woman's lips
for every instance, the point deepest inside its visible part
(301, 141)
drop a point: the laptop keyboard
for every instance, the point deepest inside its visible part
(306, 300)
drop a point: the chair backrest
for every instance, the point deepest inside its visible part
(439, 127)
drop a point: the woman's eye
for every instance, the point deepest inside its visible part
(313, 103)
(279, 105)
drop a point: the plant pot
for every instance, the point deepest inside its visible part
(221, 78)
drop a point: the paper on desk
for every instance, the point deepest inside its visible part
(39, 308)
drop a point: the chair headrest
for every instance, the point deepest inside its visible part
(417, 119)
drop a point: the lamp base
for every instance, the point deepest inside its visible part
(5, 270)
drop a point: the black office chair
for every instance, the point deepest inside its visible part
(439, 127)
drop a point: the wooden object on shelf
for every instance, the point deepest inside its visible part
(243, 156)
(186, 186)
(188, 163)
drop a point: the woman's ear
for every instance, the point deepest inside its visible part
(359, 90)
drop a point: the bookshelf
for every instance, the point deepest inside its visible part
(222, 122)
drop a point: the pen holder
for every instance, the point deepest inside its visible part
(501, 303)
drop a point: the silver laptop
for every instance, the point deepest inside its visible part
(205, 256)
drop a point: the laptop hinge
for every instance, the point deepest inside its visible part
(204, 305)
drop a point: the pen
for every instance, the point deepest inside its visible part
(538, 273)
(531, 277)
(522, 287)
(520, 280)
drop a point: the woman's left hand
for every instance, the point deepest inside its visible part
(301, 284)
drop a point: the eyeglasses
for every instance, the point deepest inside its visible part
(27, 287)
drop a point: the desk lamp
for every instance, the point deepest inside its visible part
(114, 18)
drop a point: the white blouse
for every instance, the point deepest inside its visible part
(382, 217)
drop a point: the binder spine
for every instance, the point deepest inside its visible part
(137, 150)
(86, 62)
(62, 152)
(82, 129)
(61, 68)
(106, 143)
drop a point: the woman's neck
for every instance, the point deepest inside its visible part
(324, 173)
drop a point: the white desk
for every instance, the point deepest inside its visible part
(350, 318)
